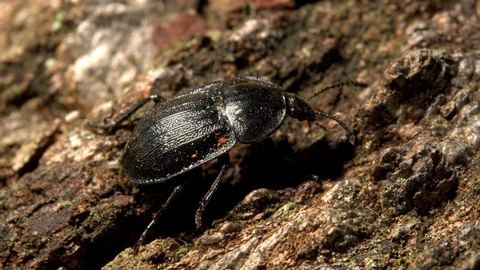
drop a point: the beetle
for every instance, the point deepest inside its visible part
(203, 124)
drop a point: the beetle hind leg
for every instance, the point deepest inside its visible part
(113, 124)
(158, 214)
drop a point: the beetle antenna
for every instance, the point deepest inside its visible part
(350, 135)
(335, 85)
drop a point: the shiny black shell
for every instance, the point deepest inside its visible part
(191, 129)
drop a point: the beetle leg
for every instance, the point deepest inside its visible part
(110, 126)
(157, 216)
(225, 160)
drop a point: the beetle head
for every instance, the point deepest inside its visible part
(300, 109)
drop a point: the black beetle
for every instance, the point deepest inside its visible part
(182, 133)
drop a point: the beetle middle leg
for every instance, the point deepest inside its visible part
(225, 161)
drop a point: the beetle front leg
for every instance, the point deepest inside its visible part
(225, 160)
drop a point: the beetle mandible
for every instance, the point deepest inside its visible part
(184, 132)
